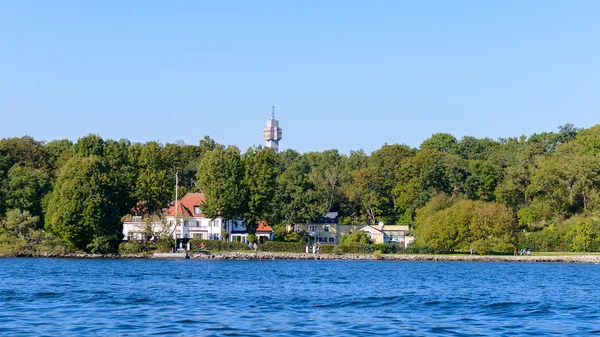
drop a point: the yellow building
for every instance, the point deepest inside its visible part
(327, 230)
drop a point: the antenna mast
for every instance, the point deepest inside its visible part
(273, 111)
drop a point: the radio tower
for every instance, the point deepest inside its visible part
(272, 132)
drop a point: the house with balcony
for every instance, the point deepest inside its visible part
(184, 220)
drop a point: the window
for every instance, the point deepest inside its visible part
(137, 219)
(312, 228)
(331, 239)
(185, 223)
(197, 223)
(326, 228)
(197, 210)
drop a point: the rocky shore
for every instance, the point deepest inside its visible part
(253, 255)
(449, 258)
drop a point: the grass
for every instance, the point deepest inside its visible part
(563, 254)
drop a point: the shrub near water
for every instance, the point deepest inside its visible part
(283, 247)
(217, 245)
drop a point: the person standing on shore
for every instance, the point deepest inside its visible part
(515, 252)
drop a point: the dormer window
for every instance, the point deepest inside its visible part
(197, 210)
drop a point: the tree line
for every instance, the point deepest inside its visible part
(540, 192)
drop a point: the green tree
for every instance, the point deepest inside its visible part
(296, 197)
(448, 224)
(585, 235)
(443, 142)
(59, 152)
(91, 144)
(122, 173)
(26, 188)
(355, 238)
(155, 186)
(25, 151)
(20, 224)
(81, 210)
(260, 178)
(366, 192)
(220, 176)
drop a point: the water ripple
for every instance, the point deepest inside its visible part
(295, 298)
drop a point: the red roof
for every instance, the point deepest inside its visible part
(263, 226)
(187, 205)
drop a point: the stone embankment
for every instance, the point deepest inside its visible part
(473, 258)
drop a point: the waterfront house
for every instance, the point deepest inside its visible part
(264, 231)
(188, 222)
(326, 230)
(398, 234)
(372, 232)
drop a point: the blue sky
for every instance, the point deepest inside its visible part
(343, 74)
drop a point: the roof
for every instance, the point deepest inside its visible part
(369, 227)
(263, 226)
(330, 217)
(390, 228)
(186, 206)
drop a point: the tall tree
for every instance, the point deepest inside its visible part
(80, 209)
(122, 173)
(296, 197)
(91, 144)
(220, 176)
(26, 188)
(260, 178)
(443, 142)
(155, 185)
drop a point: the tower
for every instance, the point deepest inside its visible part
(272, 132)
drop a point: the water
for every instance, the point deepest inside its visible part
(296, 298)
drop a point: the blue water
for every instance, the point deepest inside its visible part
(296, 298)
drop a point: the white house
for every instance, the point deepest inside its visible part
(188, 222)
(398, 234)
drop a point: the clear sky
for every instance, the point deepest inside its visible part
(343, 74)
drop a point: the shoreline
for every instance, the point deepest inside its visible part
(394, 257)
(253, 255)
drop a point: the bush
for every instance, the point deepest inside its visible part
(492, 246)
(356, 249)
(337, 250)
(387, 248)
(129, 248)
(416, 249)
(101, 245)
(283, 247)
(377, 255)
(217, 245)
(355, 238)
(252, 238)
(326, 249)
(41, 243)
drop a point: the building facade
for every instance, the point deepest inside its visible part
(328, 231)
(184, 220)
